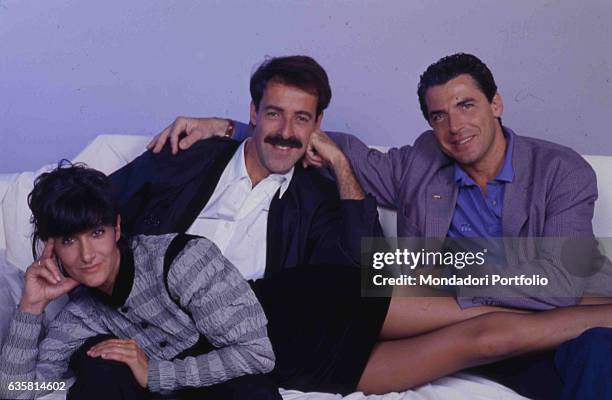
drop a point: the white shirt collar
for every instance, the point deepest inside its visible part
(237, 170)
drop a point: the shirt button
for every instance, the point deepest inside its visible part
(494, 202)
(163, 344)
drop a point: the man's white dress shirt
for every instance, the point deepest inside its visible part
(236, 216)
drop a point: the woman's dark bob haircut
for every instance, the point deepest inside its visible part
(70, 199)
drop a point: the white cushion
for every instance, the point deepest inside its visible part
(106, 153)
(602, 222)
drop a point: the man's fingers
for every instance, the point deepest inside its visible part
(312, 158)
(153, 141)
(160, 140)
(189, 140)
(178, 128)
(311, 162)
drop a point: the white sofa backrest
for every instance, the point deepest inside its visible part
(602, 221)
(109, 152)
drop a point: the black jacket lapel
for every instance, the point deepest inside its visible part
(207, 181)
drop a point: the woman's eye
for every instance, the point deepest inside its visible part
(98, 232)
(67, 241)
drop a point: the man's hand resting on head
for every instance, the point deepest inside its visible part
(323, 152)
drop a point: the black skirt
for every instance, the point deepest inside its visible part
(321, 329)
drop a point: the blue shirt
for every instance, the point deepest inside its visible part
(477, 214)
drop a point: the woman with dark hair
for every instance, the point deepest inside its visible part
(169, 313)
(192, 323)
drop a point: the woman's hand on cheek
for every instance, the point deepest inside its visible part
(44, 282)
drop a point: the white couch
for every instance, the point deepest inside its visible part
(109, 152)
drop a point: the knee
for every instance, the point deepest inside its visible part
(101, 371)
(491, 342)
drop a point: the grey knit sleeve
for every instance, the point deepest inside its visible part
(19, 353)
(225, 310)
(23, 359)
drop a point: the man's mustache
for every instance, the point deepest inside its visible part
(278, 140)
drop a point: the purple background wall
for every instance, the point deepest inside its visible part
(70, 70)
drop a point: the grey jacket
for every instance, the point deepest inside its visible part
(553, 195)
(222, 305)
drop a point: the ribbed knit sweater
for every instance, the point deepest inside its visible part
(222, 305)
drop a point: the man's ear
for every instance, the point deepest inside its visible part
(253, 114)
(118, 228)
(319, 120)
(497, 105)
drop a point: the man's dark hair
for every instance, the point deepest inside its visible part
(300, 71)
(450, 67)
(70, 199)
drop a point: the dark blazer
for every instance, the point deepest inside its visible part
(309, 225)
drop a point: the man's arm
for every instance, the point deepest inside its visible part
(194, 129)
(378, 173)
(322, 149)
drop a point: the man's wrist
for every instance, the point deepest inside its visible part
(224, 127)
(339, 161)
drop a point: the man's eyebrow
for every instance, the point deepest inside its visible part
(273, 108)
(466, 100)
(305, 113)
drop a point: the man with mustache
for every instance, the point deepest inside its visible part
(262, 209)
(265, 212)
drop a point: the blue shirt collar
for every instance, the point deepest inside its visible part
(506, 174)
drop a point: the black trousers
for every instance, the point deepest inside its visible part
(104, 379)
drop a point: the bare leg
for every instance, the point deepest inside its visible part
(412, 316)
(405, 363)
